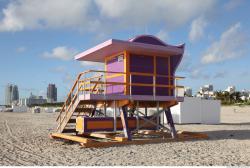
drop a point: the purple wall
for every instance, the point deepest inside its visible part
(114, 65)
(145, 64)
(142, 90)
(117, 66)
(140, 63)
(115, 89)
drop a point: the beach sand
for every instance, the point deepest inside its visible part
(24, 141)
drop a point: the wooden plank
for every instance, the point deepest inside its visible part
(145, 141)
(133, 142)
(111, 136)
(87, 143)
(71, 138)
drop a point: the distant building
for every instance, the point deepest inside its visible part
(231, 89)
(32, 100)
(11, 94)
(51, 93)
(245, 95)
(15, 93)
(207, 88)
(206, 92)
(8, 91)
(188, 91)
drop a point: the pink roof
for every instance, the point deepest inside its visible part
(140, 44)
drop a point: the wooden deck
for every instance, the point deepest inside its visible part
(97, 140)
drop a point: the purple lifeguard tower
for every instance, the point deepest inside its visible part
(134, 92)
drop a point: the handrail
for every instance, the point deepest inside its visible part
(86, 81)
(135, 84)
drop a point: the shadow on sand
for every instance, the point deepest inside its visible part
(228, 134)
(244, 123)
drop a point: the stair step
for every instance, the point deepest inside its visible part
(83, 109)
(72, 120)
(69, 130)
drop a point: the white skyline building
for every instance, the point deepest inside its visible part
(231, 89)
(188, 91)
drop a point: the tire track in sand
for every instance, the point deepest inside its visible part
(30, 153)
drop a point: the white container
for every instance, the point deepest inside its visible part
(20, 109)
(48, 110)
(196, 110)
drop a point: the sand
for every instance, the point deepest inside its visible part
(24, 141)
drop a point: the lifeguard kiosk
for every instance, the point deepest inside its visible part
(138, 85)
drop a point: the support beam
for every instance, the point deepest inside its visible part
(137, 115)
(93, 112)
(125, 123)
(170, 122)
(105, 108)
(158, 117)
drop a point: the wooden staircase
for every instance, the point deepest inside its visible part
(74, 107)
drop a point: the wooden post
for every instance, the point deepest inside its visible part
(125, 123)
(170, 122)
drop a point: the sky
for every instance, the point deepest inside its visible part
(38, 39)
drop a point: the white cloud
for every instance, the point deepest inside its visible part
(163, 35)
(31, 14)
(186, 64)
(198, 74)
(197, 29)
(108, 15)
(58, 69)
(232, 4)
(95, 65)
(21, 49)
(61, 52)
(172, 13)
(232, 44)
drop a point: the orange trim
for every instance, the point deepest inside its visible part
(115, 75)
(127, 71)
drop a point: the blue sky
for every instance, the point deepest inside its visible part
(38, 39)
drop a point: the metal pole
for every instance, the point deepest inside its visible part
(158, 116)
(105, 108)
(115, 108)
(137, 115)
(130, 86)
(154, 89)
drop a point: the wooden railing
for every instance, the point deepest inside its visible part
(88, 82)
